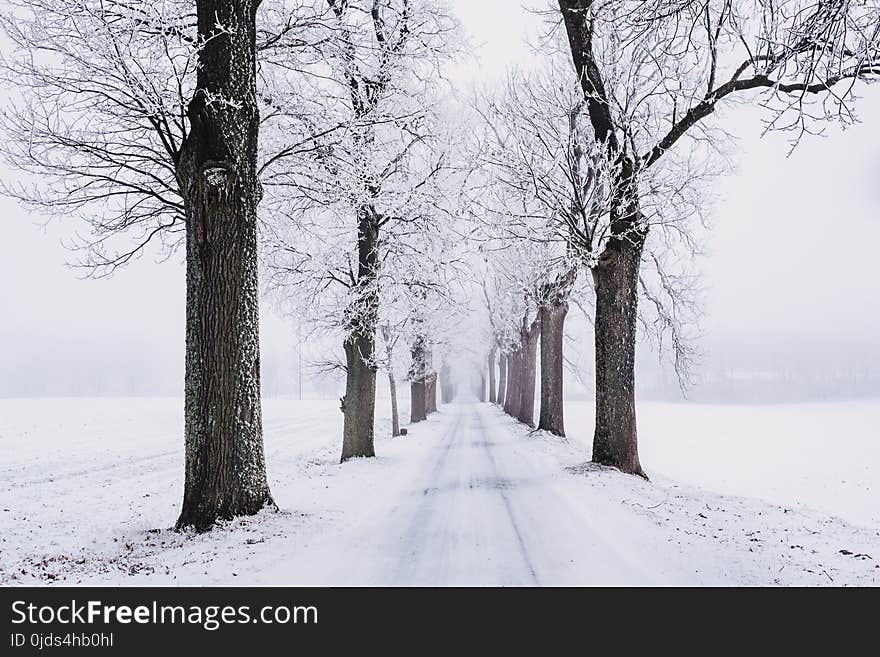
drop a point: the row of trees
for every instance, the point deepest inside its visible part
(605, 171)
(317, 142)
(167, 124)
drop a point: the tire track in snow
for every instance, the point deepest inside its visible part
(524, 551)
(446, 530)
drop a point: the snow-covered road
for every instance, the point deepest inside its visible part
(478, 507)
(89, 489)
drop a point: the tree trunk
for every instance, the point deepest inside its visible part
(360, 345)
(225, 465)
(445, 383)
(526, 411)
(615, 442)
(360, 398)
(431, 393)
(417, 410)
(390, 340)
(502, 380)
(511, 402)
(418, 386)
(615, 277)
(493, 396)
(552, 318)
(395, 418)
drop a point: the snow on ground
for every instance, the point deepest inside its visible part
(824, 456)
(90, 487)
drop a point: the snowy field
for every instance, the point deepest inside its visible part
(824, 456)
(739, 495)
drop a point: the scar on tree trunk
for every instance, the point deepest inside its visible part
(225, 471)
(615, 442)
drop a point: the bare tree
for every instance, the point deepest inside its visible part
(514, 327)
(511, 334)
(652, 74)
(217, 171)
(96, 118)
(390, 338)
(366, 90)
(435, 324)
(143, 120)
(367, 185)
(542, 194)
(95, 115)
(497, 339)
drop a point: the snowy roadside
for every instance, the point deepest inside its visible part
(731, 540)
(89, 488)
(821, 455)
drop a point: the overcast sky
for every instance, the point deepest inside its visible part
(793, 257)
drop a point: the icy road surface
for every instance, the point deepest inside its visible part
(89, 489)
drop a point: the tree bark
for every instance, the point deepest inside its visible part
(493, 395)
(395, 418)
(418, 387)
(615, 442)
(360, 398)
(615, 277)
(225, 465)
(526, 411)
(552, 317)
(511, 402)
(360, 345)
(502, 380)
(417, 410)
(431, 393)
